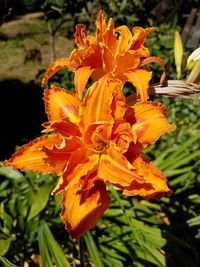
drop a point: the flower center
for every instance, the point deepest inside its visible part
(99, 145)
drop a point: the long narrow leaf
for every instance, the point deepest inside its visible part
(43, 248)
(54, 249)
(93, 251)
(6, 263)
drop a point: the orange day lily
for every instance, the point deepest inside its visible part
(112, 50)
(93, 142)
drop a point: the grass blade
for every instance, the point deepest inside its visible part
(54, 249)
(6, 263)
(93, 251)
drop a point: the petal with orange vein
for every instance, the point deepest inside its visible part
(155, 60)
(123, 135)
(155, 182)
(140, 35)
(150, 122)
(82, 208)
(97, 135)
(119, 105)
(58, 157)
(126, 62)
(80, 36)
(124, 39)
(110, 39)
(81, 78)
(79, 165)
(97, 102)
(64, 127)
(59, 64)
(108, 60)
(116, 169)
(100, 27)
(61, 104)
(140, 80)
(32, 156)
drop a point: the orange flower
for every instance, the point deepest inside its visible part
(112, 50)
(92, 142)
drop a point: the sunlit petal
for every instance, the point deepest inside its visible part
(108, 60)
(140, 80)
(140, 35)
(81, 78)
(116, 169)
(32, 156)
(150, 122)
(155, 60)
(79, 165)
(82, 208)
(124, 38)
(58, 157)
(61, 104)
(155, 184)
(97, 102)
(80, 36)
(59, 64)
(64, 127)
(126, 62)
(100, 27)
(110, 39)
(122, 135)
(97, 135)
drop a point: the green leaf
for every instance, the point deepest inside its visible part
(49, 248)
(3, 185)
(194, 221)
(43, 248)
(153, 255)
(6, 263)
(4, 245)
(93, 251)
(10, 173)
(113, 254)
(40, 201)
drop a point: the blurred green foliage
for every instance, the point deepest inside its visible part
(132, 232)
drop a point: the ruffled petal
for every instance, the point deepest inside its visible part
(119, 105)
(110, 39)
(97, 102)
(58, 157)
(155, 184)
(140, 80)
(140, 35)
(61, 104)
(82, 208)
(59, 64)
(81, 78)
(79, 165)
(109, 62)
(64, 127)
(32, 156)
(150, 122)
(116, 169)
(130, 60)
(80, 36)
(122, 135)
(91, 57)
(100, 27)
(155, 60)
(97, 135)
(124, 38)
